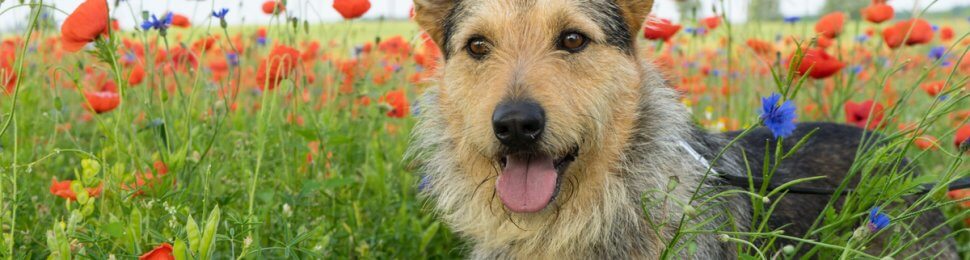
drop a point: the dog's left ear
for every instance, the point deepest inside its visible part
(635, 13)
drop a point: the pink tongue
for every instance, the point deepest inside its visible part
(527, 184)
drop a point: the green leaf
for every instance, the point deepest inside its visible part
(336, 182)
(114, 229)
(58, 104)
(428, 235)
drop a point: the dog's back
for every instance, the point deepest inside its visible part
(831, 152)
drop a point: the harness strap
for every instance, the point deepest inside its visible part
(744, 181)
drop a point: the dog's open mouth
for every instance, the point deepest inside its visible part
(530, 182)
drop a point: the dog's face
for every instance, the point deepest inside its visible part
(533, 90)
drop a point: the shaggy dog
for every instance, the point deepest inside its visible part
(546, 136)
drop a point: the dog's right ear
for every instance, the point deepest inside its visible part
(432, 16)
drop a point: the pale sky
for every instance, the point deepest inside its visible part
(248, 11)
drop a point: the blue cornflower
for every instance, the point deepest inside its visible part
(416, 107)
(792, 19)
(857, 69)
(877, 221)
(233, 59)
(937, 52)
(155, 23)
(780, 119)
(261, 40)
(221, 14)
(424, 183)
(862, 38)
(130, 57)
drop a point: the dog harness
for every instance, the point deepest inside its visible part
(746, 181)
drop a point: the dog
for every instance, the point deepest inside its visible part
(545, 132)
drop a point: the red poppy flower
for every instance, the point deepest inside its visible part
(178, 57)
(273, 7)
(395, 46)
(180, 21)
(205, 44)
(859, 114)
(150, 179)
(660, 29)
(160, 167)
(282, 61)
(137, 75)
(711, 22)
(261, 32)
(760, 47)
(946, 33)
(63, 189)
(311, 51)
(351, 9)
(161, 252)
(933, 88)
(920, 32)
(398, 100)
(831, 24)
(878, 13)
(84, 25)
(818, 64)
(824, 42)
(7, 77)
(962, 136)
(926, 142)
(959, 195)
(115, 25)
(102, 101)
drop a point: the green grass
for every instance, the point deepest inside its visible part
(357, 197)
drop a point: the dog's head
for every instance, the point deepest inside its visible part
(535, 92)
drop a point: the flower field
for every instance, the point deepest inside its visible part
(195, 139)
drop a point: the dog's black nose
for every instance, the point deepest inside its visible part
(518, 124)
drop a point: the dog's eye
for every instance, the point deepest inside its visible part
(573, 42)
(478, 47)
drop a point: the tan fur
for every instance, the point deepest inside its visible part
(603, 100)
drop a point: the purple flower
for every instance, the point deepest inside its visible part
(792, 19)
(221, 14)
(780, 119)
(424, 183)
(155, 23)
(857, 69)
(233, 59)
(877, 220)
(937, 52)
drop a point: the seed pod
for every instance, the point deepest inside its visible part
(134, 225)
(209, 234)
(82, 194)
(195, 237)
(179, 250)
